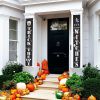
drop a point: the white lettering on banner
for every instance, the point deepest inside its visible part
(76, 41)
(29, 37)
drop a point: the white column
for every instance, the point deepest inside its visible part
(4, 41)
(33, 69)
(76, 12)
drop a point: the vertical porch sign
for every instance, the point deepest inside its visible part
(29, 39)
(76, 41)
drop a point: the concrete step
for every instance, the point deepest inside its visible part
(53, 75)
(48, 86)
(46, 91)
(40, 95)
(51, 80)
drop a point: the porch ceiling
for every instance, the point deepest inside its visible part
(48, 15)
(34, 2)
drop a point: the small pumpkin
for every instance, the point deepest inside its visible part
(59, 94)
(3, 93)
(63, 81)
(60, 77)
(12, 97)
(65, 89)
(40, 82)
(70, 98)
(46, 71)
(21, 85)
(67, 94)
(91, 97)
(43, 77)
(39, 73)
(61, 86)
(65, 75)
(30, 87)
(77, 97)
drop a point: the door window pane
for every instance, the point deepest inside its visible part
(58, 25)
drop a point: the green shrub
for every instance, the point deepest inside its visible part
(8, 85)
(75, 84)
(4, 78)
(91, 86)
(90, 72)
(11, 68)
(23, 77)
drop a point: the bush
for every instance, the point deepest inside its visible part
(91, 86)
(75, 84)
(4, 78)
(11, 68)
(90, 72)
(8, 85)
(23, 77)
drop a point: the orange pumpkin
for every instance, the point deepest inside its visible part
(3, 93)
(46, 71)
(91, 97)
(40, 73)
(43, 77)
(30, 87)
(65, 75)
(60, 77)
(18, 99)
(40, 82)
(65, 89)
(12, 97)
(77, 97)
(44, 64)
(70, 98)
(61, 86)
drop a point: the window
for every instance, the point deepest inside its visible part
(58, 25)
(13, 40)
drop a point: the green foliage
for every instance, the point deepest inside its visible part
(23, 77)
(11, 68)
(90, 72)
(91, 86)
(91, 81)
(75, 84)
(4, 78)
(8, 84)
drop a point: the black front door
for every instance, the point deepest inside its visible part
(58, 45)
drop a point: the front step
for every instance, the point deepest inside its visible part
(46, 91)
(53, 75)
(48, 85)
(40, 95)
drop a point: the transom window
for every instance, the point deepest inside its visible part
(58, 25)
(13, 40)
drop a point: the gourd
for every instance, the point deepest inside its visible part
(91, 97)
(63, 81)
(21, 85)
(59, 94)
(30, 87)
(77, 97)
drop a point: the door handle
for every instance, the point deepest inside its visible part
(58, 55)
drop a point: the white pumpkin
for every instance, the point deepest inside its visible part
(63, 81)
(21, 85)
